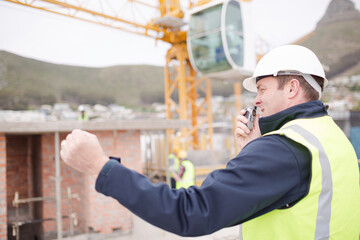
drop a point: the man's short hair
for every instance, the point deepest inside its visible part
(309, 92)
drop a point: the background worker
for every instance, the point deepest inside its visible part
(185, 177)
(82, 116)
(296, 176)
(173, 165)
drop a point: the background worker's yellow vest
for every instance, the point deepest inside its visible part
(331, 210)
(188, 179)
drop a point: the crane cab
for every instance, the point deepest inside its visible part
(220, 42)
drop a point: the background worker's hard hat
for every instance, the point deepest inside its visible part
(182, 154)
(286, 58)
(81, 108)
(176, 150)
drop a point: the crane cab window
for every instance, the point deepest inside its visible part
(216, 38)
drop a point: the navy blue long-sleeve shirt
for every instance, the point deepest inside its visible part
(270, 172)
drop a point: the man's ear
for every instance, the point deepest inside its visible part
(293, 88)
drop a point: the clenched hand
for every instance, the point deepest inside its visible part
(82, 151)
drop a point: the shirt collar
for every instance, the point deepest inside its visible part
(310, 109)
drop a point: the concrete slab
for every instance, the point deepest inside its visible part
(68, 126)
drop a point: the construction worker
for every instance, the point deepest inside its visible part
(174, 164)
(296, 176)
(82, 114)
(185, 177)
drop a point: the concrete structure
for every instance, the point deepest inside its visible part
(40, 196)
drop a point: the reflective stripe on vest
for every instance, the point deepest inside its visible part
(324, 210)
(331, 209)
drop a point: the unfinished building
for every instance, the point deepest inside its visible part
(42, 198)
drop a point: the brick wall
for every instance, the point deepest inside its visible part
(27, 165)
(105, 213)
(70, 179)
(19, 179)
(3, 212)
(17, 173)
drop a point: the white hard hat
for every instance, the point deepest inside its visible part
(81, 108)
(288, 60)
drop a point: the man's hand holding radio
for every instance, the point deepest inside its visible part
(244, 135)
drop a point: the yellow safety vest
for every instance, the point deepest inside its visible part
(188, 179)
(331, 209)
(83, 118)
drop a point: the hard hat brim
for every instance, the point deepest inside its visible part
(250, 84)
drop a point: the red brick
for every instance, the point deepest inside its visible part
(102, 213)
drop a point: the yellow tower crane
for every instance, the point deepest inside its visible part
(182, 86)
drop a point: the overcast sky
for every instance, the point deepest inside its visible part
(63, 40)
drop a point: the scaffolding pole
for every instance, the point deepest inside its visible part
(58, 186)
(17, 201)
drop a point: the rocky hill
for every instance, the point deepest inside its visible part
(339, 11)
(336, 39)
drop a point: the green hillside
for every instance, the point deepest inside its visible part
(26, 83)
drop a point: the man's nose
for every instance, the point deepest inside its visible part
(257, 101)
